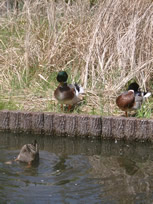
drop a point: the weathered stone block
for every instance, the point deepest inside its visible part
(95, 126)
(15, 121)
(113, 127)
(26, 122)
(48, 124)
(150, 129)
(117, 127)
(71, 125)
(143, 129)
(4, 120)
(37, 123)
(83, 125)
(107, 127)
(59, 124)
(129, 128)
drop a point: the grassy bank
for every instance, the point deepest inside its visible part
(103, 47)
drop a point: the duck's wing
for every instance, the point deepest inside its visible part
(139, 98)
(77, 88)
(73, 89)
(138, 101)
(147, 94)
(125, 100)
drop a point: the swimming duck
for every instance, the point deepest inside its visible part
(29, 153)
(132, 99)
(67, 93)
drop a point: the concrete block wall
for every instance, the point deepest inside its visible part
(72, 125)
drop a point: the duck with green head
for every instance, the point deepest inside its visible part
(67, 93)
(131, 99)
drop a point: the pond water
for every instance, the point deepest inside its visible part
(74, 170)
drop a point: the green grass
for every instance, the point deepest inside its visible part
(67, 48)
(145, 111)
(9, 105)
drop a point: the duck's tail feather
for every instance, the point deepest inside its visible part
(147, 94)
(78, 89)
(34, 143)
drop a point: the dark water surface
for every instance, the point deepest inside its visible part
(74, 170)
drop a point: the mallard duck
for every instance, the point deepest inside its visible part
(29, 153)
(132, 99)
(67, 93)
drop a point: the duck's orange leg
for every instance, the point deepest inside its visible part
(61, 107)
(69, 107)
(126, 114)
(29, 165)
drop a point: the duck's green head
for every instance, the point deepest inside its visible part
(133, 86)
(62, 76)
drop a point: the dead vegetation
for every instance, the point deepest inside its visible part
(103, 47)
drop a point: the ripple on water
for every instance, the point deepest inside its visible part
(76, 171)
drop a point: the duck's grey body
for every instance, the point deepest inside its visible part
(29, 153)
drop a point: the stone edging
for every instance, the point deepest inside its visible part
(76, 125)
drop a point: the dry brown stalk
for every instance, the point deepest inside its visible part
(103, 47)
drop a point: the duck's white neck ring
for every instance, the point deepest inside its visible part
(131, 90)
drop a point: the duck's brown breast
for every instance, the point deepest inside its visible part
(126, 100)
(64, 93)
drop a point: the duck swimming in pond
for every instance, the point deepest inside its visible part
(67, 93)
(132, 99)
(29, 153)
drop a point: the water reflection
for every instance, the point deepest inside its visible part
(74, 170)
(128, 164)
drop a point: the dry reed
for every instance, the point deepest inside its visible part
(103, 47)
